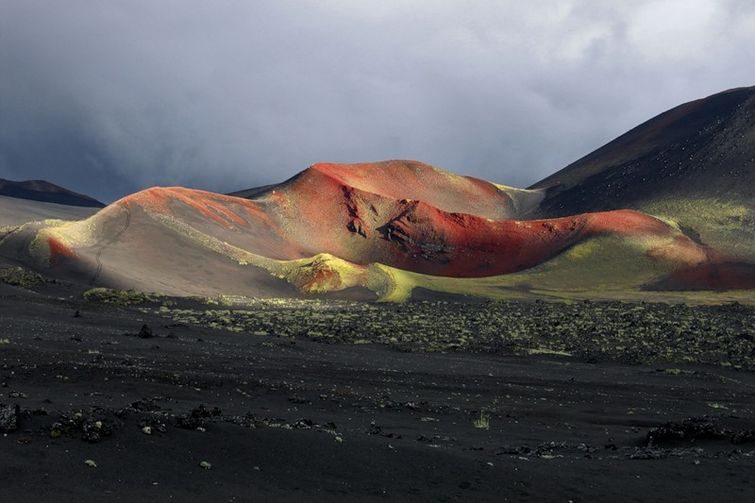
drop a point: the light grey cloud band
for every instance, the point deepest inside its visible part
(109, 97)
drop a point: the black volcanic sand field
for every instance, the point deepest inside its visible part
(108, 411)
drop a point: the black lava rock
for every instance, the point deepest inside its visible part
(8, 418)
(145, 332)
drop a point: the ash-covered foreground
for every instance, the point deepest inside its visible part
(497, 402)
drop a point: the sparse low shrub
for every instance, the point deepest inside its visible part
(18, 276)
(120, 297)
(482, 422)
(650, 333)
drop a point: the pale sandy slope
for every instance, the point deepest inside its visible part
(14, 211)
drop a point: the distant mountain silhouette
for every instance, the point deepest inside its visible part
(40, 190)
(254, 191)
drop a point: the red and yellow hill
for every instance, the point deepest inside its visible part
(386, 227)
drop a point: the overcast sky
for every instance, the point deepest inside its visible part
(107, 97)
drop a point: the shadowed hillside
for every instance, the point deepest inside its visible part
(15, 211)
(40, 190)
(704, 149)
(693, 165)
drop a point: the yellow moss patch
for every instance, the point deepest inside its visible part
(320, 273)
(582, 250)
(724, 225)
(391, 284)
(71, 233)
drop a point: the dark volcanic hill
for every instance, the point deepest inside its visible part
(40, 190)
(704, 149)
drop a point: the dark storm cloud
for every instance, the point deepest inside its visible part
(108, 97)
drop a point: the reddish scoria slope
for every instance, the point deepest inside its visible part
(174, 237)
(416, 180)
(240, 222)
(361, 214)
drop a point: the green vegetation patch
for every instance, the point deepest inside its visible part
(18, 276)
(615, 331)
(722, 224)
(121, 297)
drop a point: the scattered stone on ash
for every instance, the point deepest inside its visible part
(376, 429)
(197, 418)
(645, 453)
(299, 400)
(740, 437)
(88, 428)
(189, 422)
(203, 411)
(145, 332)
(8, 418)
(248, 420)
(152, 425)
(146, 405)
(689, 430)
(93, 430)
(693, 429)
(303, 424)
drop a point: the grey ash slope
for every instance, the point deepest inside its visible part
(701, 149)
(33, 200)
(14, 211)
